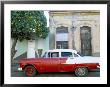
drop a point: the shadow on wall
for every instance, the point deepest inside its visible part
(24, 55)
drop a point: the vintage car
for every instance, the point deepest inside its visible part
(59, 60)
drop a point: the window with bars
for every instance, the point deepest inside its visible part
(62, 37)
(62, 44)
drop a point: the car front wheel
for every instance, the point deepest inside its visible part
(30, 71)
(81, 71)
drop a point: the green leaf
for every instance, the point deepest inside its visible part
(28, 25)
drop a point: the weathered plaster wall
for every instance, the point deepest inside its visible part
(77, 19)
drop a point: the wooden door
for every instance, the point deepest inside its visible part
(85, 33)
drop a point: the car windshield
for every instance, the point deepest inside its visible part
(44, 55)
(79, 54)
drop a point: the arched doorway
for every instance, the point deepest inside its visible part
(85, 34)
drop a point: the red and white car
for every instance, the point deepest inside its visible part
(59, 60)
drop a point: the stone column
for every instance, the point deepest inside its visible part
(70, 39)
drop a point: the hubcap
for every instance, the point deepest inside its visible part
(29, 71)
(81, 71)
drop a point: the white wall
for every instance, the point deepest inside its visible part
(31, 49)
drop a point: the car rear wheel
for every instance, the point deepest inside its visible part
(81, 71)
(30, 71)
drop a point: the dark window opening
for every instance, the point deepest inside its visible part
(62, 29)
(86, 47)
(62, 44)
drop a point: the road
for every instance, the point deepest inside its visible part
(15, 73)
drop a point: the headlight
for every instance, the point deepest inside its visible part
(19, 69)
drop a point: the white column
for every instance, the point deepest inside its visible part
(41, 44)
(31, 49)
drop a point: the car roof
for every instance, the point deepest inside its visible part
(62, 50)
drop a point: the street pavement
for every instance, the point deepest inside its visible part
(16, 73)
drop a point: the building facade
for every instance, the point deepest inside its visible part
(78, 29)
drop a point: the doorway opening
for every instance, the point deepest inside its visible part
(85, 34)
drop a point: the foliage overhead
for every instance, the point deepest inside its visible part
(28, 25)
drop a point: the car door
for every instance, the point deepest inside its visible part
(64, 66)
(52, 63)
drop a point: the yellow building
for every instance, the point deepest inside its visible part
(78, 30)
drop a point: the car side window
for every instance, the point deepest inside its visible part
(55, 54)
(66, 54)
